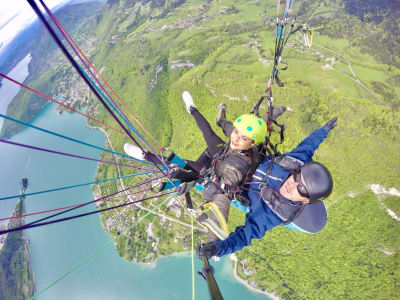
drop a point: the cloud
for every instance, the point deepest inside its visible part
(3, 23)
(16, 16)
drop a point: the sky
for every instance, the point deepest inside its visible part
(15, 15)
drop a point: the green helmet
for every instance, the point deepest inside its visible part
(252, 126)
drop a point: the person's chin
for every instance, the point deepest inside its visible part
(286, 193)
(282, 191)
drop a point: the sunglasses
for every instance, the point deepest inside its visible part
(300, 187)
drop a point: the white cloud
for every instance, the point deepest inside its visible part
(16, 15)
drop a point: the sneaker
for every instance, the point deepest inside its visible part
(187, 98)
(221, 113)
(134, 151)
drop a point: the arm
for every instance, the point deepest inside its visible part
(276, 111)
(258, 222)
(305, 150)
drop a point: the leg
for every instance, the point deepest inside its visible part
(276, 111)
(213, 141)
(223, 203)
(137, 153)
(152, 158)
(227, 128)
(202, 163)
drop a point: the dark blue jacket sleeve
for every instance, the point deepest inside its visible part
(305, 150)
(258, 222)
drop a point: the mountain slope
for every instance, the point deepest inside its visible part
(223, 53)
(151, 51)
(47, 65)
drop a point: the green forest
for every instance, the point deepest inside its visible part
(222, 51)
(226, 42)
(16, 276)
(43, 76)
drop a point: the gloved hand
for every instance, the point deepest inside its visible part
(206, 250)
(185, 187)
(332, 123)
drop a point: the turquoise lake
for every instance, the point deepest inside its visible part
(57, 248)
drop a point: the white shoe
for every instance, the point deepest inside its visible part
(187, 98)
(133, 151)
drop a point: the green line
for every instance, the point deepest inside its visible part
(96, 252)
(193, 290)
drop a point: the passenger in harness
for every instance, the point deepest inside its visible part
(232, 163)
(228, 164)
(283, 190)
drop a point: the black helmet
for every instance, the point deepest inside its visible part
(317, 179)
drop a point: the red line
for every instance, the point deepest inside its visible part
(67, 207)
(104, 81)
(277, 7)
(59, 103)
(40, 212)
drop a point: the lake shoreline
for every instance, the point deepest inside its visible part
(10, 90)
(272, 295)
(153, 265)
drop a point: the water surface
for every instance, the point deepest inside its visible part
(57, 248)
(9, 89)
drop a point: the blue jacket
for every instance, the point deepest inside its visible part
(260, 218)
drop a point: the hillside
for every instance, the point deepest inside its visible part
(47, 67)
(222, 51)
(16, 276)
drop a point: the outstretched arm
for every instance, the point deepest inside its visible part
(305, 150)
(258, 222)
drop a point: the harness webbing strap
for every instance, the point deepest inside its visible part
(220, 230)
(188, 199)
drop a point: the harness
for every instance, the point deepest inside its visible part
(225, 166)
(218, 226)
(273, 199)
(286, 211)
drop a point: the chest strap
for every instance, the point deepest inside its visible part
(284, 210)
